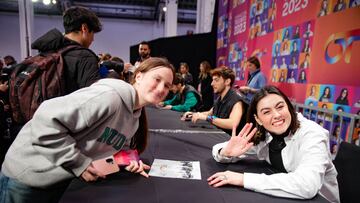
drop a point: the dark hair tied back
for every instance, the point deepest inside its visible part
(252, 112)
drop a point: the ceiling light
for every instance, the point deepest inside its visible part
(54, 1)
(34, 0)
(164, 9)
(46, 2)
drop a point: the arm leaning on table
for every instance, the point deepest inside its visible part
(189, 103)
(172, 101)
(195, 116)
(226, 123)
(233, 120)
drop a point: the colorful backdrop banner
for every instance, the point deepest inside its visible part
(302, 45)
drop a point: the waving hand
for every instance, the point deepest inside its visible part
(239, 144)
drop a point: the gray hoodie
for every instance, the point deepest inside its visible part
(67, 133)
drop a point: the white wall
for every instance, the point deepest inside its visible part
(116, 37)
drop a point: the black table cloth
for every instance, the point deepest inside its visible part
(178, 140)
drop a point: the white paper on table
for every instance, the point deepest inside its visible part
(176, 169)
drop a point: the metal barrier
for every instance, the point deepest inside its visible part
(342, 126)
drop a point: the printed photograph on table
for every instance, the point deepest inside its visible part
(175, 169)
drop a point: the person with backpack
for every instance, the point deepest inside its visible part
(186, 97)
(81, 64)
(67, 134)
(64, 64)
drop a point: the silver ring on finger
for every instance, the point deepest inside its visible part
(223, 177)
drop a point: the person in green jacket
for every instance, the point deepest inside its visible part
(186, 97)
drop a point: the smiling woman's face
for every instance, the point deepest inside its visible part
(273, 114)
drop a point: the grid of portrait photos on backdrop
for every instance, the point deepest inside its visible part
(332, 6)
(291, 53)
(222, 32)
(337, 98)
(237, 59)
(262, 17)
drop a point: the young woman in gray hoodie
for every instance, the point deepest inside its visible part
(68, 133)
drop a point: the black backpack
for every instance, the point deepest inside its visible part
(34, 80)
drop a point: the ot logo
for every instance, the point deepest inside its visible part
(345, 40)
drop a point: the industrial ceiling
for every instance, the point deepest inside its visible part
(151, 10)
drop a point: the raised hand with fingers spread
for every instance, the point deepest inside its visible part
(239, 144)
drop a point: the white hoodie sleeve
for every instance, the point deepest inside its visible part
(224, 159)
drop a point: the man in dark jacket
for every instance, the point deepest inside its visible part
(81, 64)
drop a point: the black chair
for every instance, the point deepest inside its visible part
(347, 163)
